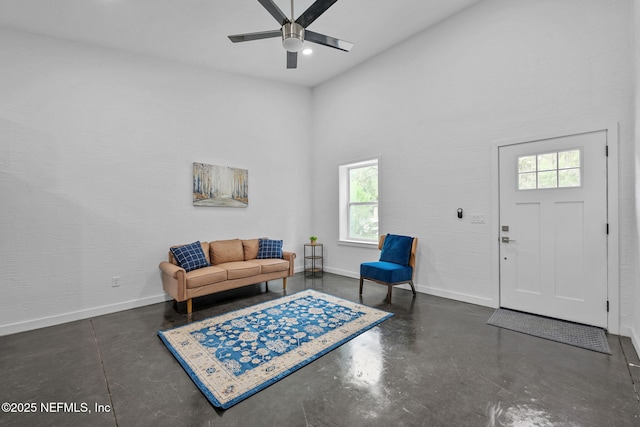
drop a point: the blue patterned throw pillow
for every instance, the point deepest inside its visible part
(270, 249)
(190, 257)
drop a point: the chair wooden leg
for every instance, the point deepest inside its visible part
(389, 294)
(361, 283)
(284, 283)
(189, 305)
(413, 288)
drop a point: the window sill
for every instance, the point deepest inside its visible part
(358, 244)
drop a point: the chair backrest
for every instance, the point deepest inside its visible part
(412, 258)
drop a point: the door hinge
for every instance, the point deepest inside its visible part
(606, 150)
(607, 306)
(607, 228)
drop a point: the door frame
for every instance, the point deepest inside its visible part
(613, 273)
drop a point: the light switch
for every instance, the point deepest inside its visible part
(477, 218)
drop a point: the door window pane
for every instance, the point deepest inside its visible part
(547, 162)
(569, 159)
(548, 179)
(527, 181)
(569, 178)
(527, 164)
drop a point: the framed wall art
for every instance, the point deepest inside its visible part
(220, 186)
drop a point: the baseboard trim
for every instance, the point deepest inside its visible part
(44, 322)
(340, 272)
(458, 296)
(635, 340)
(631, 333)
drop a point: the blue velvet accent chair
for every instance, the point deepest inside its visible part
(396, 265)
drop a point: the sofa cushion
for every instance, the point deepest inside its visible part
(272, 265)
(190, 257)
(396, 249)
(226, 251)
(240, 269)
(205, 276)
(250, 249)
(270, 249)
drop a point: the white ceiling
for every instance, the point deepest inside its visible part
(195, 31)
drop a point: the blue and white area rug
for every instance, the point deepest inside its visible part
(235, 355)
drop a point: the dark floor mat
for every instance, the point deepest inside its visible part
(588, 337)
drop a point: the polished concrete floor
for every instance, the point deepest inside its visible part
(435, 363)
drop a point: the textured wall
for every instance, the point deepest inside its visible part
(96, 153)
(434, 108)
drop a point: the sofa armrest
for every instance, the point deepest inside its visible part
(174, 280)
(289, 256)
(171, 269)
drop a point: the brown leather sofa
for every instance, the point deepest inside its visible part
(234, 264)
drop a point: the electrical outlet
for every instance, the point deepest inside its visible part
(115, 281)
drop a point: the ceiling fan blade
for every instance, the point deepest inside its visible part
(310, 36)
(255, 36)
(314, 11)
(275, 11)
(292, 59)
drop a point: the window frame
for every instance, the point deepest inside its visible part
(345, 203)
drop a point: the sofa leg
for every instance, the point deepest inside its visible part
(361, 283)
(284, 283)
(189, 306)
(266, 286)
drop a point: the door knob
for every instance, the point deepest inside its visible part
(507, 240)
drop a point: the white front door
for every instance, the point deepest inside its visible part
(553, 227)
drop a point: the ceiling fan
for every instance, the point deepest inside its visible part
(294, 32)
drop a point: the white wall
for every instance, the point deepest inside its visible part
(96, 153)
(434, 108)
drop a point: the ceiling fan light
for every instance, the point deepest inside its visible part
(292, 37)
(293, 44)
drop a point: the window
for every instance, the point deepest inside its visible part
(549, 170)
(359, 201)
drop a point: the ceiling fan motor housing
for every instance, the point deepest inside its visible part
(292, 37)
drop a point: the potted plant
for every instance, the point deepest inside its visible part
(313, 240)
